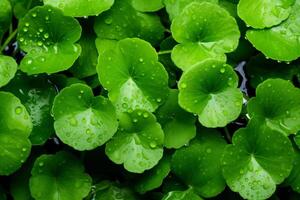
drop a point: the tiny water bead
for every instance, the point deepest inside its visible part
(222, 70)
(18, 110)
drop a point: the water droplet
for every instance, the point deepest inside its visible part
(24, 149)
(41, 30)
(33, 14)
(27, 24)
(135, 120)
(145, 115)
(18, 110)
(73, 121)
(88, 131)
(39, 43)
(21, 39)
(141, 60)
(46, 35)
(222, 70)
(208, 150)
(158, 100)
(47, 18)
(25, 29)
(41, 164)
(153, 145)
(183, 85)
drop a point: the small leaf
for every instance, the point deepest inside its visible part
(182, 195)
(8, 68)
(48, 37)
(278, 112)
(81, 8)
(178, 125)
(5, 17)
(214, 33)
(37, 94)
(264, 13)
(153, 178)
(123, 21)
(60, 176)
(81, 120)
(15, 127)
(138, 144)
(258, 159)
(203, 157)
(21, 7)
(279, 42)
(209, 89)
(133, 76)
(175, 7)
(147, 6)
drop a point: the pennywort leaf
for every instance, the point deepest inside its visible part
(5, 16)
(48, 37)
(133, 76)
(209, 89)
(81, 120)
(138, 144)
(60, 176)
(215, 33)
(8, 68)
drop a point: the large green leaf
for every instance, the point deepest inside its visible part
(15, 127)
(81, 120)
(178, 125)
(48, 37)
(209, 89)
(123, 21)
(59, 177)
(175, 7)
(276, 105)
(203, 156)
(279, 42)
(258, 159)
(138, 144)
(264, 13)
(37, 94)
(133, 76)
(8, 68)
(214, 33)
(147, 6)
(80, 8)
(5, 16)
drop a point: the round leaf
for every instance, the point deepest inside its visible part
(209, 89)
(203, 156)
(258, 159)
(264, 13)
(278, 112)
(133, 76)
(215, 33)
(178, 125)
(5, 16)
(80, 8)
(123, 21)
(8, 68)
(147, 6)
(175, 7)
(182, 195)
(37, 94)
(48, 37)
(15, 127)
(138, 144)
(60, 176)
(81, 120)
(280, 42)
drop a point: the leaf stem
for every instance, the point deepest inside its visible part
(164, 52)
(227, 134)
(8, 40)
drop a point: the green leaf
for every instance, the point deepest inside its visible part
(182, 195)
(209, 89)
(147, 6)
(15, 127)
(178, 125)
(8, 68)
(175, 7)
(123, 21)
(81, 8)
(215, 33)
(153, 178)
(106, 190)
(203, 157)
(21, 7)
(260, 69)
(133, 76)
(60, 176)
(83, 121)
(258, 159)
(5, 16)
(48, 37)
(294, 178)
(276, 105)
(86, 64)
(280, 42)
(138, 144)
(37, 94)
(264, 13)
